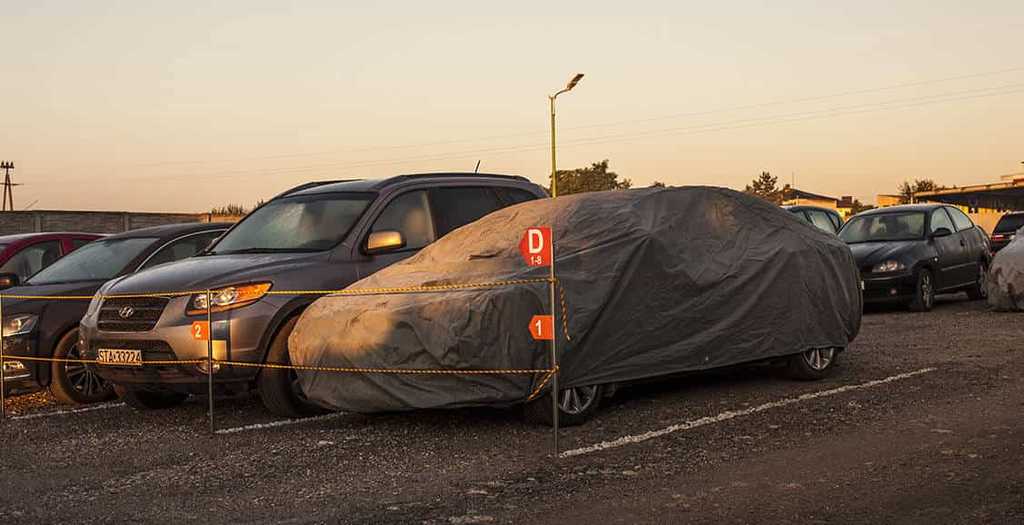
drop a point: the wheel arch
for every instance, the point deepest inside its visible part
(291, 309)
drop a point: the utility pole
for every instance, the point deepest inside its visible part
(8, 186)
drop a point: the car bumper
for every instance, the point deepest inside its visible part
(889, 288)
(238, 336)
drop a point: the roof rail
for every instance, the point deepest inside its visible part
(457, 174)
(307, 185)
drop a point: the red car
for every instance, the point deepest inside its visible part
(23, 255)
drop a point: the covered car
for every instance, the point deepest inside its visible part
(655, 282)
(1006, 278)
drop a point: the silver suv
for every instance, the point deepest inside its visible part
(319, 236)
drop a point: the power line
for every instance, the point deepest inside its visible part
(683, 130)
(540, 132)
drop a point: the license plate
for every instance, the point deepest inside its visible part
(117, 357)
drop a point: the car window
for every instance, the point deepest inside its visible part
(821, 220)
(961, 220)
(78, 243)
(456, 207)
(513, 196)
(409, 214)
(98, 260)
(32, 259)
(181, 248)
(836, 220)
(941, 220)
(799, 214)
(1009, 223)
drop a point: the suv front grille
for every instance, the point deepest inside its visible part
(142, 313)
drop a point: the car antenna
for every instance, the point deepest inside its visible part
(477, 168)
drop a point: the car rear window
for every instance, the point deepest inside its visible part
(1009, 223)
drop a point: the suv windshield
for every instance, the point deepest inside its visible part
(98, 260)
(304, 223)
(1009, 223)
(895, 226)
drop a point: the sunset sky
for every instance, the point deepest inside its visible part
(180, 106)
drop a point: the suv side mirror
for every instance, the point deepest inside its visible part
(384, 241)
(9, 280)
(941, 232)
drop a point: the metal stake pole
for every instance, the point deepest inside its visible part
(3, 380)
(554, 352)
(209, 356)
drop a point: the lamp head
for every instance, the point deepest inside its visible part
(575, 80)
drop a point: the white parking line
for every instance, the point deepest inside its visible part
(68, 412)
(281, 423)
(732, 414)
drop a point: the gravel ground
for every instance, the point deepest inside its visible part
(944, 445)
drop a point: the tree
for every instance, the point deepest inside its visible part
(235, 209)
(657, 184)
(858, 207)
(595, 178)
(230, 209)
(766, 187)
(908, 189)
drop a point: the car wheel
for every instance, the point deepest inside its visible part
(278, 387)
(149, 399)
(924, 292)
(814, 364)
(979, 290)
(75, 383)
(576, 406)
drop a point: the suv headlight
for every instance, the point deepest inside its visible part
(228, 298)
(888, 266)
(19, 324)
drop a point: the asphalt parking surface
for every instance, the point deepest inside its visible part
(921, 423)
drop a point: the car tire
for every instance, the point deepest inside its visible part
(979, 290)
(813, 364)
(924, 292)
(576, 406)
(149, 399)
(75, 383)
(276, 386)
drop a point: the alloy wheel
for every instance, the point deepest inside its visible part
(819, 358)
(926, 290)
(81, 378)
(578, 399)
(983, 281)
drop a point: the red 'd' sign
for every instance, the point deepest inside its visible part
(535, 246)
(542, 327)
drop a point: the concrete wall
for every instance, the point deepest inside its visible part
(95, 221)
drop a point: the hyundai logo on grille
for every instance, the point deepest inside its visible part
(126, 312)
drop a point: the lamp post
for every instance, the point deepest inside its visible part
(554, 180)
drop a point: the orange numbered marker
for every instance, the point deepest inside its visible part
(542, 327)
(200, 330)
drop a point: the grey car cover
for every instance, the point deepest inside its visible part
(656, 281)
(1006, 278)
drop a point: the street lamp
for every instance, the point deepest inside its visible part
(568, 87)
